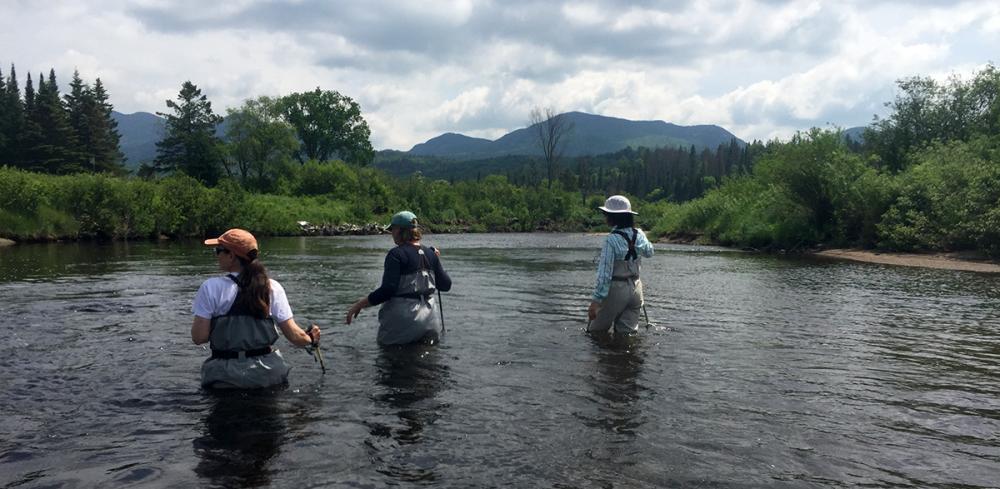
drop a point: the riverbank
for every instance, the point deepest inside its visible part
(964, 261)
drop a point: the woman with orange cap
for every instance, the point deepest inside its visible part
(240, 314)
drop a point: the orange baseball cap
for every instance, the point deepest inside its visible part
(238, 241)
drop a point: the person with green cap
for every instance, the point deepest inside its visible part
(617, 298)
(410, 277)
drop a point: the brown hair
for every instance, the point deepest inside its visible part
(410, 234)
(255, 286)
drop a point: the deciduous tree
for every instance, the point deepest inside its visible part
(329, 125)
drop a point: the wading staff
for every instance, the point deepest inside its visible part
(440, 302)
(441, 310)
(313, 349)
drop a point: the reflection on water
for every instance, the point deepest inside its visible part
(616, 393)
(761, 372)
(242, 436)
(409, 378)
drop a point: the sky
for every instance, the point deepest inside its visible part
(761, 69)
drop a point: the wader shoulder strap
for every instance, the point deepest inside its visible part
(632, 254)
(239, 308)
(425, 264)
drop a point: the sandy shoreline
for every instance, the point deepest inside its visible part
(944, 261)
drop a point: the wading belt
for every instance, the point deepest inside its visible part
(230, 354)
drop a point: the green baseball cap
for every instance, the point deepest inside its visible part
(404, 219)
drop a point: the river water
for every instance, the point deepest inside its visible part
(758, 371)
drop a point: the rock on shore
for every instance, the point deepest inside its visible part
(6, 242)
(341, 229)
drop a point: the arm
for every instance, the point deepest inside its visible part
(202, 307)
(355, 309)
(644, 246)
(391, 271)
(281, 311)
(296, 335)
(605, 265)
(200, 330)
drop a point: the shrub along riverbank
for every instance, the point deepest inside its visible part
(40, 207)
(813, 191)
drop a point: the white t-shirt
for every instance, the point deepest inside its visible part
(216, 295)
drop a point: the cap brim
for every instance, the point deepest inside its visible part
(609, 211)
(211, 242)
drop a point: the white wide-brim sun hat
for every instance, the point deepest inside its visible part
(617, 204)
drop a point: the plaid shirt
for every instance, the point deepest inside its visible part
(615, 248)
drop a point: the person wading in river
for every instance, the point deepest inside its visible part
(237, 314)
(410, 277)
(617, 299)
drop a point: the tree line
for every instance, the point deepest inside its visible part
(676, 174)
(262, 139)
(47, 132)
(926, 177)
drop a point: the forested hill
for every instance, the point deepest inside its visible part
(139, 133)
(590, 135)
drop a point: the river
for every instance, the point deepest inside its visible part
(758, 371)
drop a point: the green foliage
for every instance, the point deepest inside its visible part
(259, 145)
(949, 200)
(190, 146)
(927, 111)
(931, 181)
(329, 125)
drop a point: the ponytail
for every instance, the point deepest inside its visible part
(255, 286)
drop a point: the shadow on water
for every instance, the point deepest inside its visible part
(409, 379)
(242, 434)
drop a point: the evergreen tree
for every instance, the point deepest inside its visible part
(54, 150)
(95, 128)
(77, 102)
(4, 145)
(104, 128)
(31, 132)
(11, 119)
(190, 145)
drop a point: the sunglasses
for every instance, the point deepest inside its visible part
(220, 250)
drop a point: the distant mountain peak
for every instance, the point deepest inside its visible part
(591, 134)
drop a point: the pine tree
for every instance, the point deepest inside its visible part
(11, 119)
(31, 132)
(4, 145)
(54, 150)
(190, 145)
(78, 102)
(104, 128)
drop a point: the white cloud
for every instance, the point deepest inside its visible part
(420, 68)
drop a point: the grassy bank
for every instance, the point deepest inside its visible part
(38, 207)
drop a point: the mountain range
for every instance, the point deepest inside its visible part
(589, 134)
